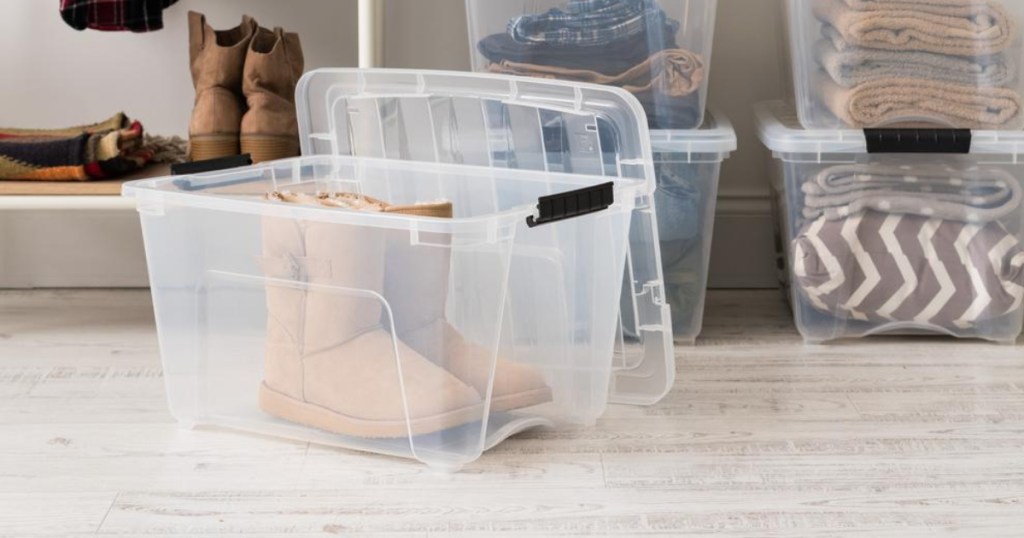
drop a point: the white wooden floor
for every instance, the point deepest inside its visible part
(763, 437)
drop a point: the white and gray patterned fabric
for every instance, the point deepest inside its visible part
(924, 190)
(889, 267)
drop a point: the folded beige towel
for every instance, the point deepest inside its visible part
(849, 65)
(670, 72)
(956, 27)
(909, 102)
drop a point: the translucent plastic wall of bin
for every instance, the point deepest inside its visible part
(864, 64)
(688, 166)
(375, 331)
(546, 126)
(898, 243)
(658, 49)
(417, 335)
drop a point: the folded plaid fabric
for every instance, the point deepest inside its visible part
(103, 150)
(115, 15)
(591, 22)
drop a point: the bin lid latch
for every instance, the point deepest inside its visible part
(957, 141)
(212, 165)
(572, 204)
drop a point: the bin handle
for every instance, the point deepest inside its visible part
(212, 165)
(572, 204)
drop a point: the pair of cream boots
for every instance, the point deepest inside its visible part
(331, 360)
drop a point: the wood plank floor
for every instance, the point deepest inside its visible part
(763, 437)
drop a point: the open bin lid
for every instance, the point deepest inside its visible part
(530, 124)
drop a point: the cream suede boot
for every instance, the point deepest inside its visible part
(330, 362)
(420, 321)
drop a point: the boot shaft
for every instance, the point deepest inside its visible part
(218, 57)
(273, 65)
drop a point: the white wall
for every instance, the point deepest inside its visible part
(55, 76)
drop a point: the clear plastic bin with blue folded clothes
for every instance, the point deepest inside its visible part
(442, 269)
(908, 63)
(897, 243)
(659, 50)
(688, 165)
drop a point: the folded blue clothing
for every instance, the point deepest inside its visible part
(612, 59)
(680, 202)
(591, 23)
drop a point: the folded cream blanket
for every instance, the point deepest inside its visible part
(911, 102)
(955, 27)
(670, 72)
(932, 191)
(849, 65)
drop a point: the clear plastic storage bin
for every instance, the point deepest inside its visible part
(469, 289)
(895, 242)
(659, 50)
(875, 63)
(688, 165)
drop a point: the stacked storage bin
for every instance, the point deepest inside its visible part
(899, 188)
(660, 51)
(436, 273)
(872, 63)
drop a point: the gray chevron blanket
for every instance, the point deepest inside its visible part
(928, 191)
(887, 267)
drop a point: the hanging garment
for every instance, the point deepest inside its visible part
(115, 15)
(103, 150)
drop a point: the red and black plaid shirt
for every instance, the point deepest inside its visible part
(115, 15)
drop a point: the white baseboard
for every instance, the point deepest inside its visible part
(102, 248)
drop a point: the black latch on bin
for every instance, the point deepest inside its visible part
(212, 165)
(572, 204)
(918, 140)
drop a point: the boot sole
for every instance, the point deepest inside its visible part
(307, 414)
(521, 400)
(265, 148)
(206, 147)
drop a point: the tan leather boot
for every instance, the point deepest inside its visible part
(419, 305)
(273, 67)
(330, 363)
(217, 59)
